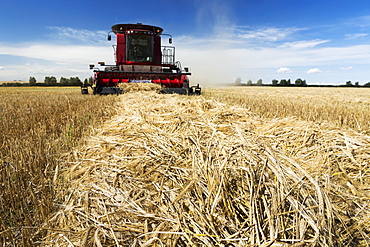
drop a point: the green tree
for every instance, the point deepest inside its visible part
(238, 81)
(63, 81)
(259, 82)
(32, 81)
(47, 80)
(300, 83)
(349, 84)
(50, 80)
(75, 81)
(283, 82)
(249, 83)
(275, 82)
(53, 80)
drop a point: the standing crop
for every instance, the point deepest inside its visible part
(36, 127)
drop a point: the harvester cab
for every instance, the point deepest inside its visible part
(140, 58)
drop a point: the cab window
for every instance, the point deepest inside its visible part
(140, 48)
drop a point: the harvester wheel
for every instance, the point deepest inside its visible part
(84, 91)
(196, 90)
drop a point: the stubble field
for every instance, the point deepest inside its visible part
(252, 166)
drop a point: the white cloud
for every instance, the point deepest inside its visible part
(23, 72)
(303, 44)
(356, 35)
(268, 34)
(283, 70)
(256, 63)
(55, 60)
(314, 71)
(60, 53)
(346, 68)
(2, 68)
(81, 35)
(362, 21)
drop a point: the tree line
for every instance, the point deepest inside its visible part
(283, 82)
(51, 81)
(297, 83)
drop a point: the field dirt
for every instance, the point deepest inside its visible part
(172, 170)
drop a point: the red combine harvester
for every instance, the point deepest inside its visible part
(140, 58)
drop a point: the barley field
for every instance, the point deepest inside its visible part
(234, 167)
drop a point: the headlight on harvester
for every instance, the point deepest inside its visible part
(91, 65)
(101, 63)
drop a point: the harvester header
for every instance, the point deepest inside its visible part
(140, 58)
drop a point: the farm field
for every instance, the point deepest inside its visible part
(343, 107)
(234, 167)
(38, 125)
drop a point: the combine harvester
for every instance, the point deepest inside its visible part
(140, 58)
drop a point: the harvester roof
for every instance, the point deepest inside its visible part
(122, 28)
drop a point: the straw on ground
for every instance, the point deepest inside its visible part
(172, 170)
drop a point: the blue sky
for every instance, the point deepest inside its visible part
(321, 41)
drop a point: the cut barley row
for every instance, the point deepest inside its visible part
(135, 87)
(178, 171)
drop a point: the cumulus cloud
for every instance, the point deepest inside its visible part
(314, 71)
(2, 68)
(283, 70)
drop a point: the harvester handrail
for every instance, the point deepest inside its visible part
(168, 55)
